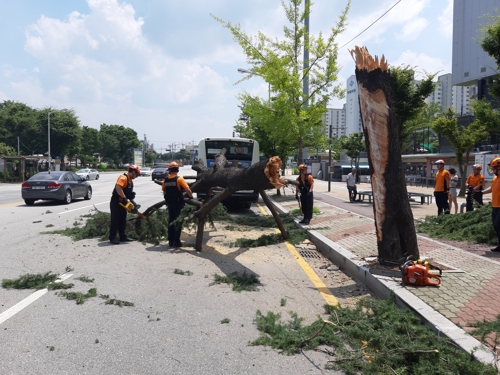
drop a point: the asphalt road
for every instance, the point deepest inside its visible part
(174, 326)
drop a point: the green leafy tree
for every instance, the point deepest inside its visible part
(280, 64)
(20, 120)
(420, 123)
(353, 146)
(91, 145)
(118, 143)
(463, 139)
(6, 150)
(490, 43)
(408, 100)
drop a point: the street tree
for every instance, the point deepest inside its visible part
(6, 150)
(118, 143)
(280, 64)
(90, 145)
(19, 121)
(414, 129)
(408, 100)
(462, 138)
(490, 43)
(65, 131)
(353, 146)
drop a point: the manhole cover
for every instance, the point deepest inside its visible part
(310, 254)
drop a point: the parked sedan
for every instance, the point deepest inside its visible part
(159, 174)
(56, 185)
(88, 174)
(146, 171)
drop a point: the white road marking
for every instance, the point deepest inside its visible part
(28, 300)
(81, 208)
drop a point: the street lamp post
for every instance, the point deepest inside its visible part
(50, 163)
(244, 71)
(48, 131)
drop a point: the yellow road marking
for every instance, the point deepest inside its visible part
(315, 279)
(11, 204)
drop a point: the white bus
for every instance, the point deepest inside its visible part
(245, 151)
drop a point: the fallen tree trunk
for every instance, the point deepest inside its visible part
(259, 177)
(395, 228)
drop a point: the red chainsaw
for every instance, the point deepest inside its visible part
(417, 272)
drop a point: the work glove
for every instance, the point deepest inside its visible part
(124, 201)
(136, 206)
(131, 195)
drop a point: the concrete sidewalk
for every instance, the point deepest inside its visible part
(468, 290)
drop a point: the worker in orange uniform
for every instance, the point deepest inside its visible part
(306, 185)
(475, 184)
(122, 193)
(442, 188)
(172, 187)
(494, 189)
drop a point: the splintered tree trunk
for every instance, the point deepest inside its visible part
(394, 224)
(260, 176)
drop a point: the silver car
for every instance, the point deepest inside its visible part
(88, 174)
(56, 185)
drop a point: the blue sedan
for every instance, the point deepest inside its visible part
(56, 185)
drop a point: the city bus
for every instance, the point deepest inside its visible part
(244, 150)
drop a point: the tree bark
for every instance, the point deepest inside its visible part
(275, 214)
(260, 176)
(394, 224)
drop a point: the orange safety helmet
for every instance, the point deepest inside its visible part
(173, 165)
(477, 166)
(302, 166)
(495, 163)
(134, 167)
(440, 161)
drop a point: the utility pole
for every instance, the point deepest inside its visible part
(143, 150)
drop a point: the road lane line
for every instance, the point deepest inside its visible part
(81, 208)
(315, 279)
(28, 300)
(11, 204)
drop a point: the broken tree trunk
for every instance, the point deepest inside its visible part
(394, 224)
(259, 177)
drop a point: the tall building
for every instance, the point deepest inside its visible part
(352, 115)
(335, 122)
(447, 95)
(470, 63)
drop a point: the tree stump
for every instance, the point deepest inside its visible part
(394, 224)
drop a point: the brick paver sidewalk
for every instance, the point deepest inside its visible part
(469, 292)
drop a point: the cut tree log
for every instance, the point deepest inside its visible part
(394, 224)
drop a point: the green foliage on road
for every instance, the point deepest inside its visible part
(376, 337)
(114, 301)
(30, 281)
(178, 271)
(152, 230)
(79, 297)
(295, 234)
(239, 282)
(472, 226)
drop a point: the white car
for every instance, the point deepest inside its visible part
(146, 171)
(88, 174)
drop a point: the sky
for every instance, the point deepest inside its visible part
(168, 69)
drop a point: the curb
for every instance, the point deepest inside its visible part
(382, 286)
